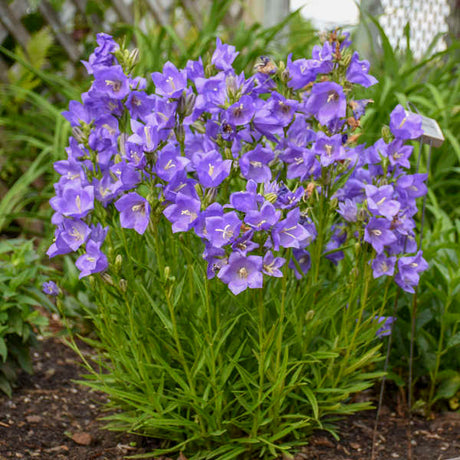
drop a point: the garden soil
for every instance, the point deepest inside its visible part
(52, 417)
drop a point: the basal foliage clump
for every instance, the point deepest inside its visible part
(260, 182)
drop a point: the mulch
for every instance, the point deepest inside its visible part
(51, 417)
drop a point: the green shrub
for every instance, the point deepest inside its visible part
(20, 279)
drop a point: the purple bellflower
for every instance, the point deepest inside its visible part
(171, 82)
(405, 125)
(383, 265)
(223, 56)
(378, 234)
(50, 288)
(220, 230)
(271, 265)
(74, 202)
(386, 326)
(254, 164)
(134, 212)
(112, 82)
(408, 271)
(326, 102)
(242, 272)
(212, 170)
(358, 72)
(183, 213)
(379, 201)
(94, 261)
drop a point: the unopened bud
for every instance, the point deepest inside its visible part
(133, 58)
(362, 214)
(310, 314)
(166, 272)
(386, 134)
(180, 133)
(123, 285)
(232, 87)
(186, 103)
(198, 190)
(122, 138)
(346, 60)
(284, 76)
(118, 262)
(211, 194)
(79, 135)
(107, 278)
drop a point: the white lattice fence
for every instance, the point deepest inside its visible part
(427, 18)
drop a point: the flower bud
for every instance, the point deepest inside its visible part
(118, 262)
(123, 285)
(133, 58)
(185, 104)
(199, 190)
(310, 314)
(386, 134)
(166, 272)
(284, 76)
(79, 135)
(180, 133)
(346, 60)
(232, 88)
(107, 278)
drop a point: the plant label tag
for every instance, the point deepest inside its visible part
(431, 132)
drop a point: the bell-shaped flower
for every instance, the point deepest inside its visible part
(326, 102)
(242, 272)
(183, 213)
(254, 164)
(358, 72)
(405, 125)
(134, 212)
(93, 261)
(378, 234)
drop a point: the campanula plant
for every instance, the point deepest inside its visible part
(242, 244)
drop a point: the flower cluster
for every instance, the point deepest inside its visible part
(240, 161)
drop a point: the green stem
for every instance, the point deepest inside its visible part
(210, 341)
(279, 343)
(439, 353)
(261, 317)
(363, 302)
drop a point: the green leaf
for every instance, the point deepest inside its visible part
(5, 386)
(313, 401)
(3, 349)
(448, 388)
(453, 341)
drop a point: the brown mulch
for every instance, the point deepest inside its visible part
(50, 417)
